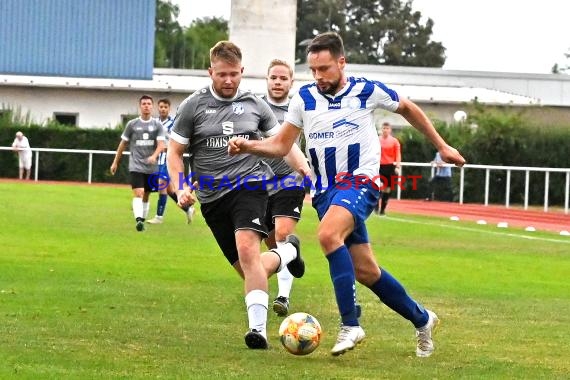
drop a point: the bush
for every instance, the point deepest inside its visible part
(501, 137)
(65, 166)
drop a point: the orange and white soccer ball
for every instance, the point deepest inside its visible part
(300, 333)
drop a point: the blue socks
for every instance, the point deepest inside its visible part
(342, 275)
(161, 204)
(393, 295)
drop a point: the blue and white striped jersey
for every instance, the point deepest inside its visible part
(167, 126)
(339, 130)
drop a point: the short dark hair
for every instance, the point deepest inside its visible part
(226, 51)
(164, 100)
(146, 97)
(330, 41)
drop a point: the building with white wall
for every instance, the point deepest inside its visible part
(99, 102)
(42, 84)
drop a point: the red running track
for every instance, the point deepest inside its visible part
(547, 221)
(554, 220)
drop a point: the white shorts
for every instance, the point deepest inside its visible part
(25, 161)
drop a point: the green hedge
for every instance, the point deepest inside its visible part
(501, 137)
(65, 166)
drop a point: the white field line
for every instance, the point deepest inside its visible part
(404, 220)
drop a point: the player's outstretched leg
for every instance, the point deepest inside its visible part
(285, 282)
(281, 306)
(425, 345)
(342, 276)
(348, 338)
(297, 265)
(393, 295)
(160, 208)
(255, 340)
(256, 302)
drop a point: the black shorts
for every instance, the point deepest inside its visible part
(387, 172)
(240, 209)
(285, 202)
(141, 180)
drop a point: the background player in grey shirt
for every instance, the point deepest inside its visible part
(285, 200)
(145, 138)
(231, 189)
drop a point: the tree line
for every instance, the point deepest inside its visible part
(385, 32)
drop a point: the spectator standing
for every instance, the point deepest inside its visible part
(21, 145)
(390, 159)
(440, 184)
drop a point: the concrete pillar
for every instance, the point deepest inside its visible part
(264, 30)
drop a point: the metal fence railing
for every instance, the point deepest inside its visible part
(507, 191)
(487, 168)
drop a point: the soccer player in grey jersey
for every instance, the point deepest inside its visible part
(287, 195)
(231, 189)
(145, 138)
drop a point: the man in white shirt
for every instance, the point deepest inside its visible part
(21, 145)
(335, 115)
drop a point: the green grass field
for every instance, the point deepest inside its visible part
(83, 295)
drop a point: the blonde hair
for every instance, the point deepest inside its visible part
(226, 51)
(279, 62)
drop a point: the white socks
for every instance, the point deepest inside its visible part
(257, 302)
(138, 207)
(287, 252)
(284, 279)
(146, 207)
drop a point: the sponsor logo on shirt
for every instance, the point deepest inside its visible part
(209, 111)
(343, 122)
(221, 141)
(227, 127)
(238, 108)
(321, 135)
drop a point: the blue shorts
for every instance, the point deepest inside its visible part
(163, 170)
(358, 199)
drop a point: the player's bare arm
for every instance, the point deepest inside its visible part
(120, 149)
(419, 120)
(175, 166)
(275, 146)
(297, 161)
(160, 147)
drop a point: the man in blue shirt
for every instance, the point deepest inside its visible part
(440, 185)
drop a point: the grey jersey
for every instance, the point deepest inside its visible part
(278, 165)
(142, 137)
(206, 122)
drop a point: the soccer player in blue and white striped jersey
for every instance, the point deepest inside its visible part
(166, 188)
(336, 116)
